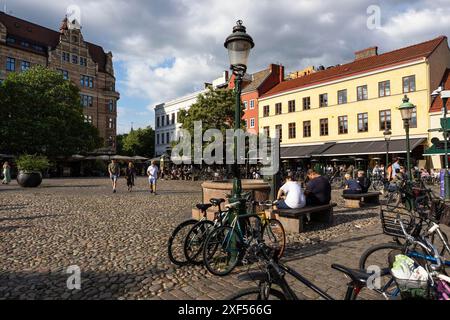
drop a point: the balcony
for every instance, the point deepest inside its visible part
(108, 92)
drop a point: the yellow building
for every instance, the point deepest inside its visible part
(343, 111)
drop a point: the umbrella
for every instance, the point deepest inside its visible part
(90, 158)
(77, 157)
(138, 158)
(104, 158)
(335, 160)
(122, 158)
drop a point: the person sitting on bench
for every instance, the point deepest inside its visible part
(351, 185)
(291, 194)
(318, 189)
(364, 182)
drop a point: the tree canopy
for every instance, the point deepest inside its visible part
(140, 142)
(42, 115)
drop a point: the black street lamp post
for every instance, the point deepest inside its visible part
(406, 109)
(239, 44)
(387, 137)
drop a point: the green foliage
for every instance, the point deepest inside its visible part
(140, 142)
(215, 109)
(43, 115)
(29, 163)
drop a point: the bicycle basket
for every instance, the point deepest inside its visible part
(389, 221)
(413, 289)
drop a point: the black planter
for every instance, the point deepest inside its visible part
(29, 179)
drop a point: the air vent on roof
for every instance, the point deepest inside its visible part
(321, 68)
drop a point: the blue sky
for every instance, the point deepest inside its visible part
(164, 49)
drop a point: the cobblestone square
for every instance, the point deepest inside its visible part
(119, 243)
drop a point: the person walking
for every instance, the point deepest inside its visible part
(130, 174)
(114, 174)
(152, 173)
(6, 173)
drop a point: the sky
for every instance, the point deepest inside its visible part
(164, 49)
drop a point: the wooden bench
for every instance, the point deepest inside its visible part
(293, 219)
(358, 200)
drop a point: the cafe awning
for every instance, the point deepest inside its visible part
(369, 148)
(303, 152)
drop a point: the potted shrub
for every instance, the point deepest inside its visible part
(30, 170)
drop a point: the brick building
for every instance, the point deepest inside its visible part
(24, 44)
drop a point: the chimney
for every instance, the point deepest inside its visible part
(366, 53)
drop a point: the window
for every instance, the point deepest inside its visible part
(266, 111)
(307, 129)
(157, 139)
(267, 132)
(252, 104)
(245, 105)
(167, 119)
(173, 118)
(74, 59)
(278, 108)
(111, 106)
(246, 123)
(343, 125)
(66, 56)
(323, 127)
(86, 101)
(363, 122)
(342, 96)
(74, 39)
(167, 137)
(279, 131)
(111, 123)
(292, 106)
(362, 93)
(10, 40)
(25, 44)
(413, 122)
(384, 89)
(83, 62)
(409, 84)
(323, 100)
(25, 65)
(292, 131)
(64, 73)
(385, 120)
(307, 103)
(162, 121)
(157, 122)
(88, 119)
(10, 64)
(252, 123)
(38, 48)
(86, 81)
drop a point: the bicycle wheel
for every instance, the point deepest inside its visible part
(437, 241)
(195, 239)
(275, 237)
(378, 185)
(254, 294)
(380, 258)
(219, 256)
(394, 200)
(175, 246)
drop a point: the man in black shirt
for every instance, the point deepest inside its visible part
(318, 190)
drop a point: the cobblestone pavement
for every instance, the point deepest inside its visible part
(119, 243)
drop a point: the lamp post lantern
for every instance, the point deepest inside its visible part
(387, 137)
(239, 45)
(406, 109)
(445, 94)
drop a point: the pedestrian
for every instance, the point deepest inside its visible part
(395, 167)
(6, 173)
(114, 174)
(291, 195)
(130, 174)
(318, 189)
(152, 173)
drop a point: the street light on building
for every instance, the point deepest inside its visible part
(444, 94)
(387, 137)
(406, 110)
(239, 45)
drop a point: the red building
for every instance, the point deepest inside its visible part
(254, 86)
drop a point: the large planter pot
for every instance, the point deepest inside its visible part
(29, 179)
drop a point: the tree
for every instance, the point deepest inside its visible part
(215, 109)
(140, 142)
(43, 115)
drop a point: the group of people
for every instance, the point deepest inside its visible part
(316, 193)
(130, 175)
(356, 186)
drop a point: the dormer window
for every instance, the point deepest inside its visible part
(74, 39)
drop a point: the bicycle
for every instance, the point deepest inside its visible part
(176, 241)
(227, 245)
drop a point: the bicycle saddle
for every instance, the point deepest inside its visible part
(216, 202)
(357, 276)
(203, 207)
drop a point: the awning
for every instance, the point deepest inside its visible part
(369, 147)
(303, 152)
